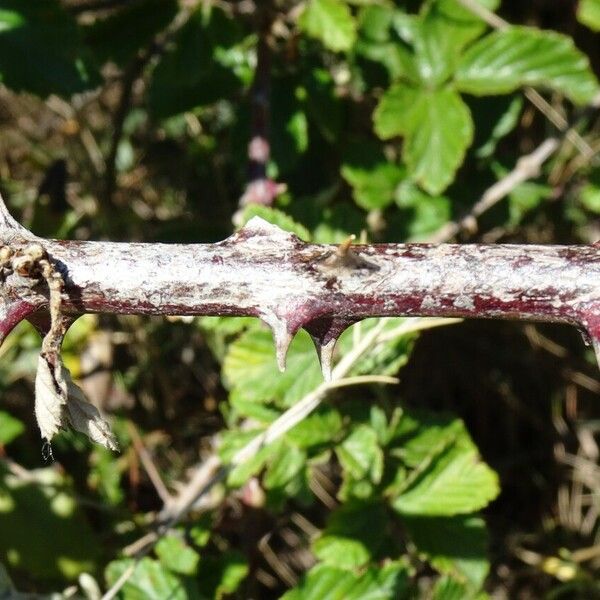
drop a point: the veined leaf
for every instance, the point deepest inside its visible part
(250, 369)
(437, 127)
(453, 482)
(323, 581)
(505, 60)
(331, 22)
(443, 30)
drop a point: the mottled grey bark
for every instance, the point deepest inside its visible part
(265, 272)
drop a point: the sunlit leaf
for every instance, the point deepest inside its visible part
(323, 581)
(437, 128)
(505, 60)
(331, 22)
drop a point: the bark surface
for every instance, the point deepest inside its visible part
(265, 272)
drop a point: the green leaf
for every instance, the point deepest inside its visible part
(354, 533)
(454, 481)
(118, 37)
(331, 22)
(588, 13)
(424, 213)
(41, 50)
(190, 74)
(372, 177)
(221, 575)
(319, 428)
(176, 555)
(149, 581)
(10, 428)
(31, 513)
(455, 546)
(250, 370)
(514, 57)
(277, 217)
(437, 127)
(284, 466)
(360, 454)
(323, 581)
(439, 36)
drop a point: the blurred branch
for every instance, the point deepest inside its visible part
(132, 73)
(260, 189)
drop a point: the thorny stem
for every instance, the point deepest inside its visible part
(265, 272)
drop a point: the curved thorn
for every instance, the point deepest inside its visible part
(325, 354)
(282, 336)
(325, 332)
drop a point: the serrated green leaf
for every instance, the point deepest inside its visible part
(505, 60)
(323, 581)
(149, 581)
(588, 13)
(437, 127)
(175, 555)
(445, 27)
(250, 370)
(277, 217)
(41, 50)
(119, 36)
(10, 428)
(354, 533)
(455, 481)
(331, 22)
(455, 546)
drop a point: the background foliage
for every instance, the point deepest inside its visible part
(477, 475)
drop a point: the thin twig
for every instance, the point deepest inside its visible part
(527, 167)
(148, 464)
